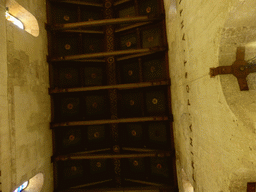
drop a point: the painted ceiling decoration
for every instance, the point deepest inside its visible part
(110, 90)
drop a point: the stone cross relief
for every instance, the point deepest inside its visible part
(240, 69)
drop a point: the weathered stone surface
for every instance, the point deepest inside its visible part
(218, 138)
(26, 145)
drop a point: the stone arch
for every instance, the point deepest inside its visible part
(239, 30)
(35, 184)
(29, 21)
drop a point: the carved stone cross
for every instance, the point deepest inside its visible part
(240, 69)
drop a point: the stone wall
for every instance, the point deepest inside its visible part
(4, 129)
(27, 143)
(213, 144)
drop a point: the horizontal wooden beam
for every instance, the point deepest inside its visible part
(91, 184)
(149, 188)
(78, 3)
(145, 182)
(99, 55)
(152, 51)
(83, 31)
(120, 86)
(111, 156)
(141, 150)
(92, 151)
(110, 121)
(102, 22)
(91, 61)
(133, 53)
(130, 27)
(121, 2)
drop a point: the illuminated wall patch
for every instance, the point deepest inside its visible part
(23, 186)
(14, 20)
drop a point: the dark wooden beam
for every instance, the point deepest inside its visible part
(130, 27)
(141, 150)
(119, 2)
(91, 184)
(82, 31)
(120, 86)
(110, 156)
(79, 3)
(99, 55)
(110, 121)
(152, 51)
(119, 189)
(103, 22)
(145, 182)
(92, 151)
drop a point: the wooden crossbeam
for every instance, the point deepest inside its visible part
(119, 2)
(110, 121)
(83, 31)
(91, 184)
(130, 53)
(168, 188)
(93, 151)
(101, 54)
(130, 27)
(111, 156)
(106, 87)
(143, 54)
(103, 22)
(145, 182)
(79, 3)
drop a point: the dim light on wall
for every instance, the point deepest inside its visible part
(14, 20)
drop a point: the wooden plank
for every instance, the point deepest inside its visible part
(131, 27)
(83, 31)
(91, 184)
(91, 61)
(121, 2)
(120, 86)
(111, 156)
(119, 189)
(102, 22)
(152, 51)
(144, 182)
(78, 3)
(137, 149)
(92, 151)
(110, 121)
(101, 54)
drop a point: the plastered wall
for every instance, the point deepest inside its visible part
(4, 130)
(214, 145)
(25, 135)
